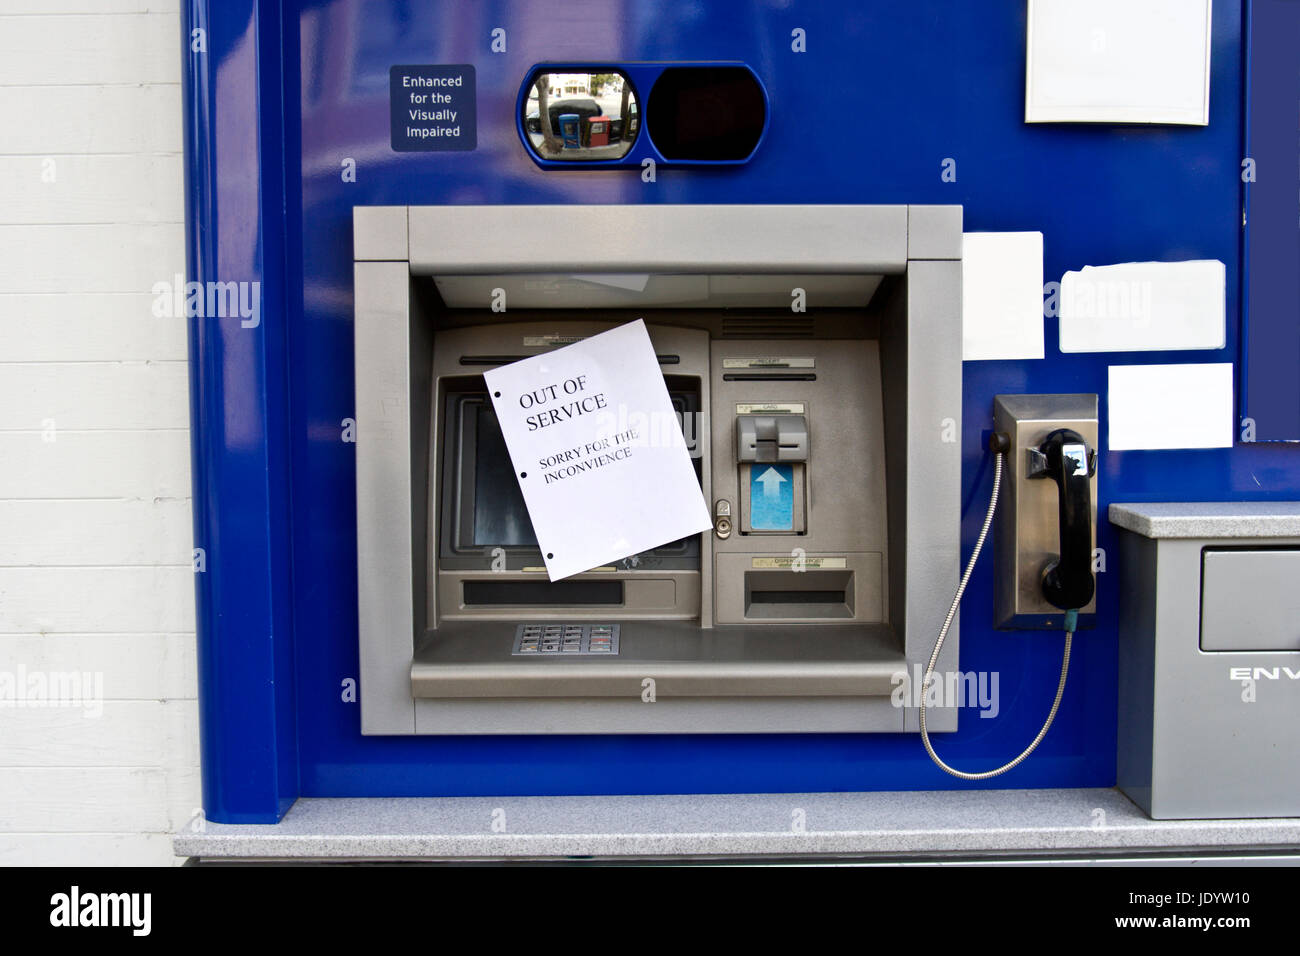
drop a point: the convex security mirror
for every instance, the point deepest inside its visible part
(580, 117)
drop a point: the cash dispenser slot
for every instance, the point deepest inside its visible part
(798, 594)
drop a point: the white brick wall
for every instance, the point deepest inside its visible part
(95, 534)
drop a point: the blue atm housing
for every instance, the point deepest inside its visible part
(287, 128)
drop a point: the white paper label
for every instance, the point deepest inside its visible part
(1117, 61)
(1002, 295)
(598, 450)
(1170, 406)
(1136, 306)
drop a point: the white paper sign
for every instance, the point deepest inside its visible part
(598, 450)
(1002, 295)
(1170, 406)
(1118, 61)
(1144, 306)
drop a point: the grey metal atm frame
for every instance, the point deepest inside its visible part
(429, 666)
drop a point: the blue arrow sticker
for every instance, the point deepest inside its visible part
(771, 497)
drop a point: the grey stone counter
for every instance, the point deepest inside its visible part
(880, 825)
(1209, 519)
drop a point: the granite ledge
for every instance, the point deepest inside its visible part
(1209, 519)
(891, 824)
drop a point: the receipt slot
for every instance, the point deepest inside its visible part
(836, 513)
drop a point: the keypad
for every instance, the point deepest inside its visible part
(566, 639)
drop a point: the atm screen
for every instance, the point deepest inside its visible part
(483, 506)
(500, 518)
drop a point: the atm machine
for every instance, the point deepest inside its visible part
(816, 349)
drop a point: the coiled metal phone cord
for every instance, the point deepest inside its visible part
(1070, 619)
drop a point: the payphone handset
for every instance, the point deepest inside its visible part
(1065, 458)
(1066, 580)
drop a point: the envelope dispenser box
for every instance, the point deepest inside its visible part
(1209, 658)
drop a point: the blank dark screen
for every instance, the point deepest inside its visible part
(500, 516)
(706, 113)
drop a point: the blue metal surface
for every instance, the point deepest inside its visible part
(884, 94)
(239, 412)
(1270, 360)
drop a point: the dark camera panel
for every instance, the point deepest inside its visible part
(714, 113)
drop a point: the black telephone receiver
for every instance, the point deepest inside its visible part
(1064, 456)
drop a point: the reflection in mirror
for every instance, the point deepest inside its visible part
(589, 116)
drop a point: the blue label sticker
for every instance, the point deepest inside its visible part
(771, 497)
(432, 107)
